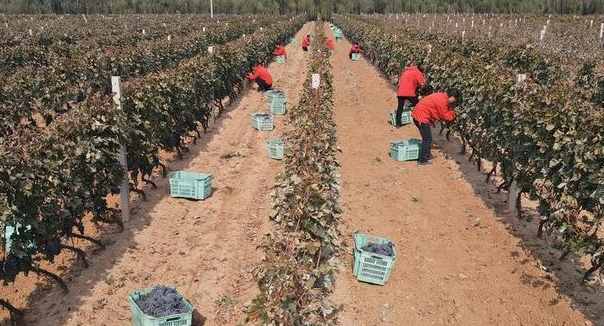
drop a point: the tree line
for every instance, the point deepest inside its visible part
(311, 7)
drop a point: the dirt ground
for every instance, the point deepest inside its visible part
(461, 259)
(457, 262)
(207, 249)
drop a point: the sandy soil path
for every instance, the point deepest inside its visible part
(207, 249)
(457, 264)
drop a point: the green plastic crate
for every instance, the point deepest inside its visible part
(275, 95)
(139, 318)
(193, 185)
(9, 230)
(277, 107)
(405, 117)
(405, 150)
(280, 59)
(276, 148)
(370, 267)
(262, 121)
(356, 56)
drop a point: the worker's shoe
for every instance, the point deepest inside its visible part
(424, 163)
(431, 157)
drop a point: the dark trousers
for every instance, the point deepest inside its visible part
(305, 48)
(426, 132)
(262, 85)
(401, 106)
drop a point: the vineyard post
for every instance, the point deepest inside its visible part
(316, 81)
(116, 88)
(601, 32)
(211, 9)
(211, 51)
(513, 190)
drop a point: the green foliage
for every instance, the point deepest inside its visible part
(298, 271)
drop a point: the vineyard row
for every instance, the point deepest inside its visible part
(548, 142)
(51, 181)
(301, 254)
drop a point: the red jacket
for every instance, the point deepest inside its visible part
(280, 51)
(355, 49)
(433, 107)
(410, 80)
(305, 42)
(330, 44)
(262, 73)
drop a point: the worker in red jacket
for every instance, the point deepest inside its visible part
(428, 110)
(329, 44)
(410, 81)
(280, 51)
(262, 77)
(306, 43)
(356, 48)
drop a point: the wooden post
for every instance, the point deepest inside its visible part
(601, 32)
(513, 190)
(211, 9)
(116, 88)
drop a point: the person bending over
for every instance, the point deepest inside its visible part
(429, 109)
(329, 44)
(280, 51)
(411, 79)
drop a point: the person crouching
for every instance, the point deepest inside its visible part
(355, 49)
(262, 77)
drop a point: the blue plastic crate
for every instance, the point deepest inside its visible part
(263, 121)
(356, 56)
(405, 117)
(370, 267)
(405, 150)
(276, 148)
(278, 107)
(280, 59)
(193, 185)
(139, 318)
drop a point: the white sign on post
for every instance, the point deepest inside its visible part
(520, 78)
(591, 23)
(210, 49)
(116, 88)
(31, 33)
(316, 81)
(203, 29)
